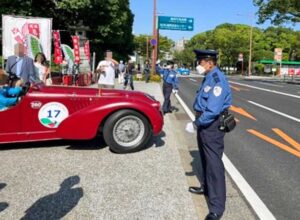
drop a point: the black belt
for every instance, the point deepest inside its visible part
(198, 114)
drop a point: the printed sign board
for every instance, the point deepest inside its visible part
(34, 33)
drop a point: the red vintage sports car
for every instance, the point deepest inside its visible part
(126, 119)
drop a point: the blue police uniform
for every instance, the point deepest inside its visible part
(212, 100)
(6, 96)
(170, 82)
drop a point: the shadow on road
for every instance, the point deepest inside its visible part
(94, 144)
(157, 141)
(3, 205)
(196, 165)
(56, 205)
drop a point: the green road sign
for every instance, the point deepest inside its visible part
(175, 23)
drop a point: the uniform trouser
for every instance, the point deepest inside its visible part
(167, 90)
(211, 148)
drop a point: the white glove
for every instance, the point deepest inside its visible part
(158, 62)
(174, 91)
(190, 128)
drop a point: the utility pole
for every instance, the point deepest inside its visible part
(147, 48)
(250, 48)
(154, 47)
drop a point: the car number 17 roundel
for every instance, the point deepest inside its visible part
(52, 114)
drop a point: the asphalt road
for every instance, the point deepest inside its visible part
(265, 145)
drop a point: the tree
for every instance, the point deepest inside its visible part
(109, 21)
(278, 11)
(140, 45)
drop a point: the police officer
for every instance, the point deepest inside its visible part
(170, 83)
(212, 100)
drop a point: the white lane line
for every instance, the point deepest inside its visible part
(256, 203)
(267, 90)
(275, 111)
(193, 80)
(269, 84)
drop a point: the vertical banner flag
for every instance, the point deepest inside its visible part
(75, 40)
(34, 33)
(87, 50)
(68, 52)
(57, 50)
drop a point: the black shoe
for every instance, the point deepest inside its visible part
(197, 190)
(213, 216)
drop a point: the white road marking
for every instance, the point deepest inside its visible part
(193, 80)
(269, 84)
(267, 90)
(256, 203)
(275, 111)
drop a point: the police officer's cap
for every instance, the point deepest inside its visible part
(203, 54)
(170, 62)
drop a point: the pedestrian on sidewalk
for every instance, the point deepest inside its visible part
(129, 75)
(170, 84)
(147, 71)
(122, 70)
(106, 69)
(212, 101)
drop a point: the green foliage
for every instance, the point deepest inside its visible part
(259, 69)
(155, 78)
(278, 11)
(232, 39)
(140, 45)
(108, 22)
(185, 57)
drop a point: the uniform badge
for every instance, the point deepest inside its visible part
(207, 88)
(217, 91)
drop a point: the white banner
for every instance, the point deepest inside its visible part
(34, 33)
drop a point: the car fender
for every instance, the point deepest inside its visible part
(85, 123)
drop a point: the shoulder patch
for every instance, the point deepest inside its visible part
(207, 88)
(217, 91)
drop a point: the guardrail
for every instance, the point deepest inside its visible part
(291, 78)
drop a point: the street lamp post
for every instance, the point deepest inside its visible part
(250, 44)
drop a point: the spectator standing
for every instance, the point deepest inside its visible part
(129, 75)
(106, 68)
(21, 65)
(147, 71)
(41, 66)
(122, 70)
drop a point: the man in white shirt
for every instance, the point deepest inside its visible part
(106, 68)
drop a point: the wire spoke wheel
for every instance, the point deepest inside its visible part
(128, 131)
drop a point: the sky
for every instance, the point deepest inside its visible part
(207, 15)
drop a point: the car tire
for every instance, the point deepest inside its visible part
(127, 131)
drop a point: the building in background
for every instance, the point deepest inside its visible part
(180, 44)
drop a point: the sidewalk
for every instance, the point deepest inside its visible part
(183, 148)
